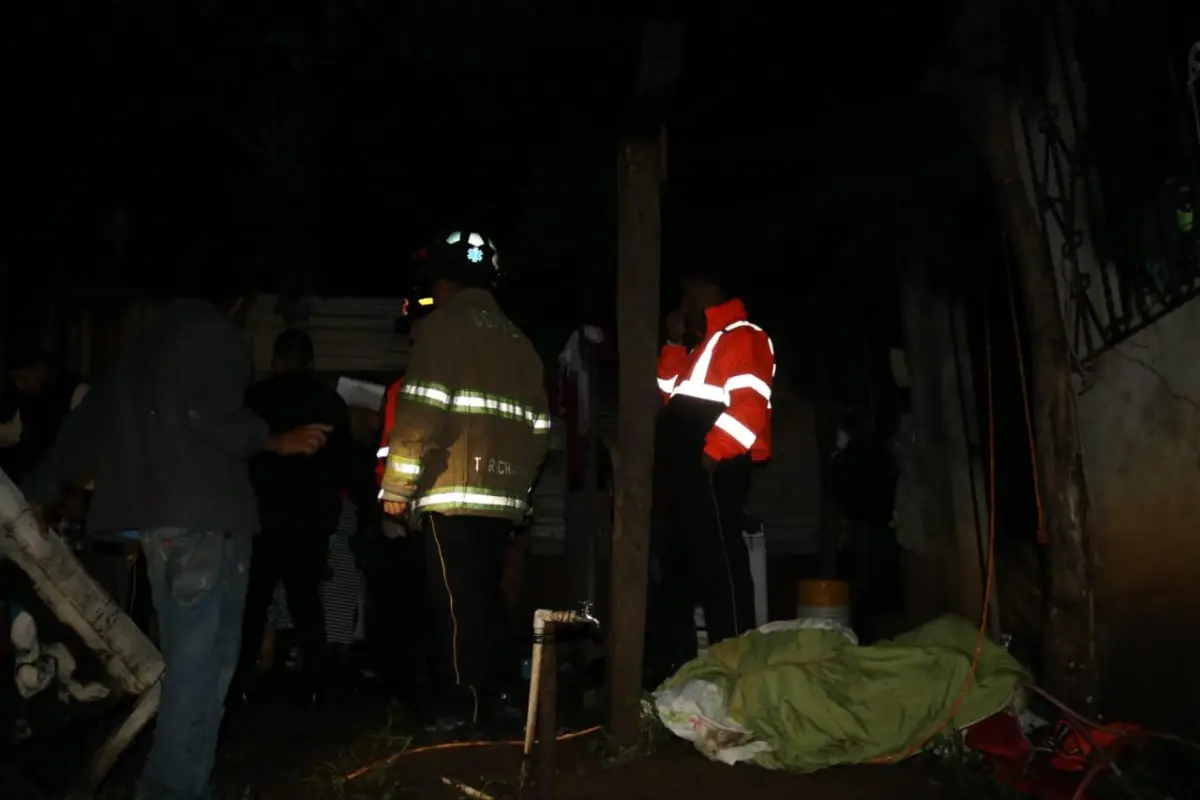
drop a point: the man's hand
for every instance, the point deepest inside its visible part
(709, 463)
(395, 508)
(676, 326)
(302, 441)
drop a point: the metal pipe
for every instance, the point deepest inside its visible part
(541, 619)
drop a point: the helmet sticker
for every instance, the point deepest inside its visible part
(475, 255)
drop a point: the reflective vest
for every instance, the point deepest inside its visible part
(385, 436)
(732, 370)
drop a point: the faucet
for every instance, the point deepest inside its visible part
(585, 613)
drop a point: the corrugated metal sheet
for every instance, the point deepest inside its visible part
(786, 494)
(350, 334)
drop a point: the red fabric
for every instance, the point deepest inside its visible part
(673, 361)
(1035, 772)
(1075, 748)
(389, 419)
(743, 351)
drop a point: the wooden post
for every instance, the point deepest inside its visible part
(633, 468)
(638, 279)
(547, 721)
(1069, 657)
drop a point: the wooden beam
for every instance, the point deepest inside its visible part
(633, 462)
(639, 225)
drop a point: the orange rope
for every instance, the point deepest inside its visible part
(989, 583)
(385, 762)
(1043, 536)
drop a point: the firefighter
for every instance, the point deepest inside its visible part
(715, 426)
(471, 429)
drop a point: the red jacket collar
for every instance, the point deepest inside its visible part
(726, 314)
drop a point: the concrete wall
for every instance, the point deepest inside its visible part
(1139, 427)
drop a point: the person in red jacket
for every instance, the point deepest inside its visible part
(715, 426)
(396, 622)
(388, 418)
(416, 308)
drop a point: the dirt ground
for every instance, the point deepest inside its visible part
(289, 754)
(675, 772)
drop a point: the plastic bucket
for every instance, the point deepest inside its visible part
(823, 600)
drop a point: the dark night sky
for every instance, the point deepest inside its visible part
(781, 132)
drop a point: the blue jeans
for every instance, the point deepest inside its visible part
(198, 580)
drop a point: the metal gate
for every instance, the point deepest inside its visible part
(1110, 147)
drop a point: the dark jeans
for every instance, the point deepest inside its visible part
(464, 561)
(300, 562)
(706, 560)
(198, 580)
(397, 618)
(670, 626)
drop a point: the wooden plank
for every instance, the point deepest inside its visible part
(83, 605)
(74, 596)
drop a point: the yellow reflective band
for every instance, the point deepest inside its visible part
(403, 466)
(471, 402)
(470, 498)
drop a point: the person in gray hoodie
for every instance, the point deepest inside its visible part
(167, 439)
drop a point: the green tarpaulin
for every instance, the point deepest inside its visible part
(817, 700)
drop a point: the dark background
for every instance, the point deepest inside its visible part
(330, 139)
(313, 145)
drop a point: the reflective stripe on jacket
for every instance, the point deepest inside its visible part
(735, 367)
(472, 419)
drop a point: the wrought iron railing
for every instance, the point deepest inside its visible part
(1126, 247)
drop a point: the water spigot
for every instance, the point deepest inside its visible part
(585, 613)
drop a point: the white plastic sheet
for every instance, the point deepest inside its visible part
(698, 711)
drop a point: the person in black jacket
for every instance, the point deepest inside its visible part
(298, 505)
(167, 437)
(35, 399)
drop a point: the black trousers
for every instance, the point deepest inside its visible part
(299, 561)
(705, 561)
(397, 618)
(464, 562)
